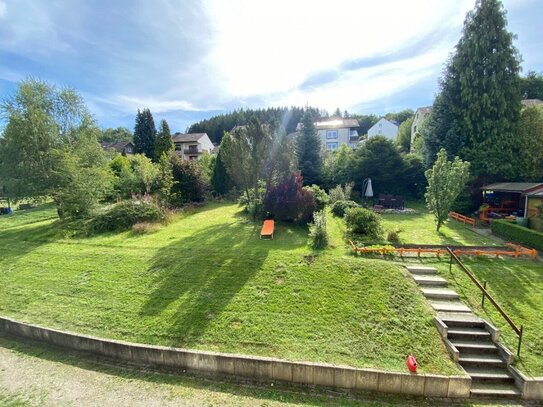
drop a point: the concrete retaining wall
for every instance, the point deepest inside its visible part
(531, 387)
(247, 367)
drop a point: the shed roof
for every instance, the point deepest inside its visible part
(518, 187)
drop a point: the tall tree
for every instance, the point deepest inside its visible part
(380, 160)
(220, 180)
(48, 130)
(478, 108)
(337, 113)
(530, 144)
(163, 142)
(403, 139)
(118, 134)
(145, 133)
(337, 168)
(246, 152)
(446, 179)
(308, 151)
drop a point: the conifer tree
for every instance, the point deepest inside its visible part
(163, 142)
(308, 151)
(145, 133)
(477, 110)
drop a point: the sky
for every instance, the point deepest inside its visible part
(187, 60)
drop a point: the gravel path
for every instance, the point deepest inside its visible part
(33, 374)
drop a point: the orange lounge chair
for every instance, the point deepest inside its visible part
(267, 229)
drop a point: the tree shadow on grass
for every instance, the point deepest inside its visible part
(196, 277)
(17, 242)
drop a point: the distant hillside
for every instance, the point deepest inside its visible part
(287, 117)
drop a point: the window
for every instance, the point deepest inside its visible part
(379, 131)
(331, 146)
(330, 134)
(414, 129)
(178, 146)
(380, 124)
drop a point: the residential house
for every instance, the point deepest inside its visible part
(421, 115)
(335, 132)
(123, 147)
(191, 146)
(384, 127)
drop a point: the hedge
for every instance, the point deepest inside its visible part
(517, 234)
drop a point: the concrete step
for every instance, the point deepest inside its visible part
(481, 360)
(467, 319)
(440, 293)
(429, 280)
(421, 270)
(489, 375)
(494, 390)
(468, 333)
(477, 347)
(450, 306)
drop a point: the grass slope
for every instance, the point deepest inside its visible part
(207, 281)
(516, 284)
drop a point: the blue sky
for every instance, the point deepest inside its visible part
(188, 60)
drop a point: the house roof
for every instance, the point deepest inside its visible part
(117, 145)
(425, 109)
(187, 138)
(334, 123)
(531, 102)
(517, 187)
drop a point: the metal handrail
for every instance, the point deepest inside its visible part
(486, 294)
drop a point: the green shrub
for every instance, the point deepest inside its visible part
(318, 235)
(339, 207)
(320, 196)
(363, 222)
(517, 234)
(393, 235)
(339, 193)
(125, 214)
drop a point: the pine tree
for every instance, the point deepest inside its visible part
(308, 151)
(145, 133)
(476, 113)
(163, 142)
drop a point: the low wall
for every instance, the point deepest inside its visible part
(248, 367)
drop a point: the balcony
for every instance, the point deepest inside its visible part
(191, 151)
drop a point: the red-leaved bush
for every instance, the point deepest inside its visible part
(289, 201)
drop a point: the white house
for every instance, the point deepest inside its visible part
(335, 132)
(385, 128)
(191, 146)
(421, 115)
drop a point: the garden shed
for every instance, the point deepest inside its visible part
(511, 198)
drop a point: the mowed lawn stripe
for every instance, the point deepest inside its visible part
(207, 281)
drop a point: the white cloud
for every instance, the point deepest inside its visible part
(129, 104)
(3, 9)
(270, 47)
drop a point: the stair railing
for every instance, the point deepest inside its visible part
(486, 294)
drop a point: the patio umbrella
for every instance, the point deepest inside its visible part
(369, 189)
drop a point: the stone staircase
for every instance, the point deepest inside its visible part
(472, 341)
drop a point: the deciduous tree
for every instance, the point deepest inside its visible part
(446, 179)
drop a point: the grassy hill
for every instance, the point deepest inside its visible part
(207, 281)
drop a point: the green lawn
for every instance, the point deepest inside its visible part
(516, 284)
(420, 228)
(207, 281)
